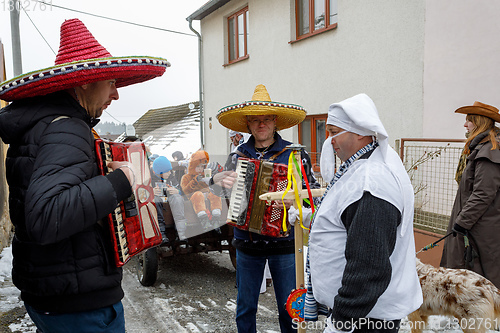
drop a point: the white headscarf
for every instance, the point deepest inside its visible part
(359, 115)
(233, 133)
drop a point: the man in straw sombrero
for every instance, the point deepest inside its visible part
(63, 262)
(262, 118)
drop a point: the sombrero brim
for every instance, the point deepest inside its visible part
(234, 116)
(479, 111)
(126, 71)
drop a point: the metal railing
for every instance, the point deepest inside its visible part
(431, 165)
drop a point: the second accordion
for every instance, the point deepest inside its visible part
(246, 210)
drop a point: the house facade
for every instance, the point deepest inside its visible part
(418, 60)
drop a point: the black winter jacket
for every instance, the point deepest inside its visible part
(62, 255)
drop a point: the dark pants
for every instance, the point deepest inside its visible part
(249, 275)
(110, 319)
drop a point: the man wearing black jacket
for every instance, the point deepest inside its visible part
(63, 261)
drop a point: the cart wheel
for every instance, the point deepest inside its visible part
(147, 267)
(232, 255)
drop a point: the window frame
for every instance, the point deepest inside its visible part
(244, 13)
(315, 150)
(328, 26)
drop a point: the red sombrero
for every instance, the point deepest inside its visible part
(81, 60)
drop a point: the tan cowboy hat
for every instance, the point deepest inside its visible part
(234, 116)
(481, 109)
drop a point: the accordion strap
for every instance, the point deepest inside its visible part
(272, 158)
(240, 154)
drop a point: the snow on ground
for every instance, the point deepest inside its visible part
(163, 307)
(9, 295)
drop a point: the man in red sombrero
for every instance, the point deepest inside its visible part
(63, 263)
(262, 118)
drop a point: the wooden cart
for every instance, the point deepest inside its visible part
(147, 262)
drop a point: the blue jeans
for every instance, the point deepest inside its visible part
(109, 319)
(249, 274)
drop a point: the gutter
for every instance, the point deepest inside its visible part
(201, 13)
(207, 9)
(200, 83)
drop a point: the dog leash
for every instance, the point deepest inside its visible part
(433, 245)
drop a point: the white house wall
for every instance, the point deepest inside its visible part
(377, 49)
(462, 62)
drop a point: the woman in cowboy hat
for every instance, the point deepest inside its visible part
(262, 118)
(63, 261)
(476, 210)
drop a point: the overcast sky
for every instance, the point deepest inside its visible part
(178, 85)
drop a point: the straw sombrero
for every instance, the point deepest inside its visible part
(234, 116)
(81, 60)
(481, 109)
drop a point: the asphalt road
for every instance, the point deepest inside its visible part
(193, 293)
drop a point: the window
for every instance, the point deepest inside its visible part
(237, 33)
(315, 16)
(312, 134)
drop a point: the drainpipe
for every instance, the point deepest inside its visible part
(200, 85)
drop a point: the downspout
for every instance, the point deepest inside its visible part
(200, 84)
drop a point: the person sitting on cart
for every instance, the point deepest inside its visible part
(195, 186)
(172, 192)
(182, 165)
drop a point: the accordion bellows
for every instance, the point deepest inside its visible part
(246, 210)
(134, 223)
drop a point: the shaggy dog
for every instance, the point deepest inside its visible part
(473, 300)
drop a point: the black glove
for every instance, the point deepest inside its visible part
(458, 229)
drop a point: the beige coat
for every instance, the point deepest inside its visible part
(477, 208)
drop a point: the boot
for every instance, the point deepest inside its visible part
(204, 220)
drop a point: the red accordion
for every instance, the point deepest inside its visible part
(246, 210)
(134, 223)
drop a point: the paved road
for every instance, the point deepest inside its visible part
(193, 293)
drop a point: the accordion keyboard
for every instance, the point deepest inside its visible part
(241, 192)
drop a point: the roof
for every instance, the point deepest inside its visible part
(207, 9)
(168, 125)
(108, 136)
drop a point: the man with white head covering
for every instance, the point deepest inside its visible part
(361, 264)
